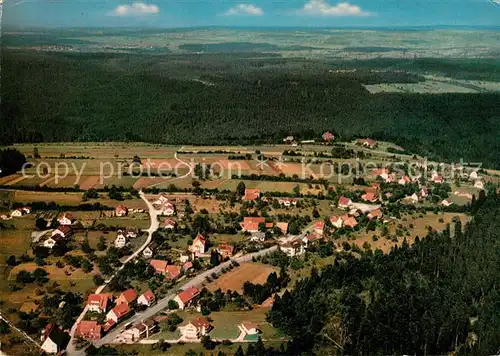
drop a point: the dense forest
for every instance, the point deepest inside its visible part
(11, 161)
(436, 297)
(236, 99)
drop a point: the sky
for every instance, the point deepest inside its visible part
(258, 13)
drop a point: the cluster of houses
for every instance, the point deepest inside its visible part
(17, 213)
(115, 310)
(255, 193)
(63, 232)
(198, 249)
(296, 245)
(164, 206)
(195, 328)
(254, 224)
(122, 210)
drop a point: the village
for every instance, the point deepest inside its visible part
(164, 263)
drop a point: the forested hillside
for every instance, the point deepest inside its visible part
(438, 296)
(237, 99)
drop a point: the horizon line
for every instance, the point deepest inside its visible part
(394, 27)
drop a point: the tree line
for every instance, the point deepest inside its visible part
(255, 104)
(436, 296)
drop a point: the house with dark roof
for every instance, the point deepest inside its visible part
(54, 339)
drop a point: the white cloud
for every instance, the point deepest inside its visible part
(321, 7)
(244, 9)
(496, 2)
(137, 8)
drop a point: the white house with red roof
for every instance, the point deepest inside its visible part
(167, 209)
(251, 223)
(436, 178)
(344, 203)
(375, 214)
(366, 142)
(63, 231)
(127, 297)
(54, 339)
(121, 210)
(349, 221)
(370, 196)
(17, 213)
(172, 272)
(147, 298)
(169, 224)
(336, 221)
(162, 199)
(121, 240)
(195, 329)
(118, 312)
(198, 246)
(186, 297)
(319, 227)
(99, 303)
(382, 173)
(160, 266)
(226, 251)
(88, 330)
(404, 180)
(251, 194)
(66, 219)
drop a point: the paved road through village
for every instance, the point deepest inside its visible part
(153, 215)
(162, 304)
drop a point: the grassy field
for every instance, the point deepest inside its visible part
(234, 280)
(414, 225)
(65, 198)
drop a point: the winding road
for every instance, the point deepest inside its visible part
(153, 215)
(176, 178)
